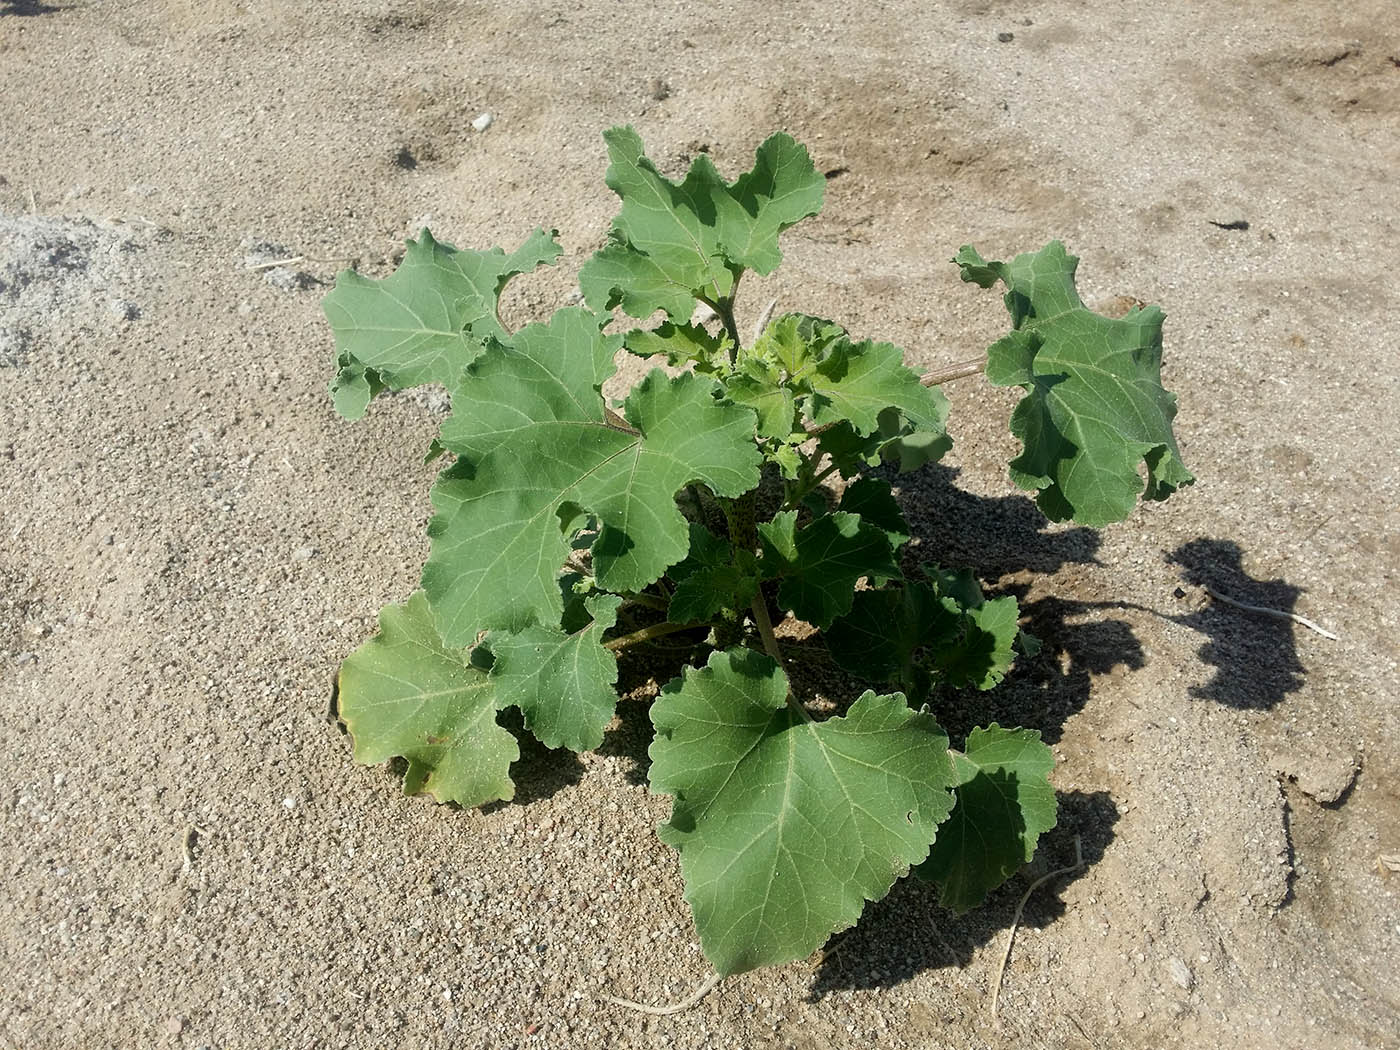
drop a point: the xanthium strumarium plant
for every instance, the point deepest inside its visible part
(568, 528)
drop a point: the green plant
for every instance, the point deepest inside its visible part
(569, 528)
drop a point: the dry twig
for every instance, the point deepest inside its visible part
(1016, 919)
(670, 1008)
(1277, 614)
(763, 319)
(939, 376)
(293, 260)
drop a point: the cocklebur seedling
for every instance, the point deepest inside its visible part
(567, 529)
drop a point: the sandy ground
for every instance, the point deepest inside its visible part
(190, 540)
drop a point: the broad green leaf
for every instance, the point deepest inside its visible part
(1094, 406)
(884, 637)
(537, 452)
(681, 343)
(1005, 803)
(957, 586)
(545, 372)
(942, 629)
(404, 693)
(711, 578)
(856, 382)
(984, 653)
(787, 827)
(425, 322)
(664, 252)
(873, 500)
(782, 189)
(820, 563)
(673, 243)
(562, 682)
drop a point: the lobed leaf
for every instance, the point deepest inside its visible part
(985, 650)
(921, 631)
(873, 499)
(405, 694)
(1094, 406)
(712, 577)
(787, 827)
(426, 321)
(856, 382)
(538, 453)
(674, 243)
(681, 343)
(820, 563)
(561, 681)
(1004, 804)
(782, 189)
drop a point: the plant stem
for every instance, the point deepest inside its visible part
(759, 608)
(725, 309)
(723, 306)
(648, 600)
(739, 520)
(800, 492)
(646, 634)
(946, 375)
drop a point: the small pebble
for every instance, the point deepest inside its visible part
(123, 309)
(482, 122)
(303, 553)
(1006, 38)
(175, 1025)
(1181, 973)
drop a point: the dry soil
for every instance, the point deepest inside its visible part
(191, 541)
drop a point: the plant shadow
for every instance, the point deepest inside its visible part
(1043, 692)
(641, 674)
(28, 8)
(1255, 656)
(540, 771)
(994, 535)
(909, 932)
